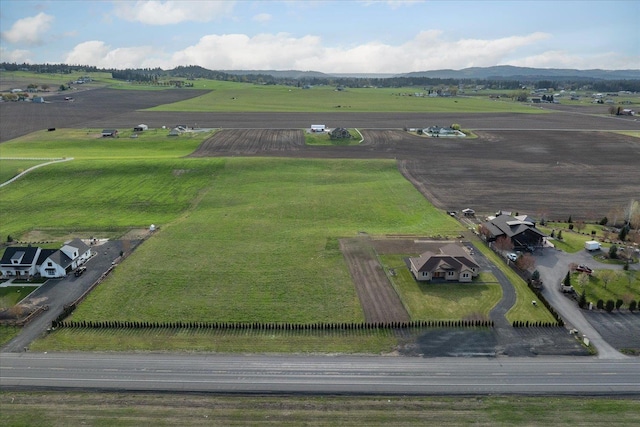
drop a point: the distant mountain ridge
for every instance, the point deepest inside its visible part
(499, 72)
(526, 73)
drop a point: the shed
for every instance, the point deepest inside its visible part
(318, 128)
(109, 133)
(38, 100)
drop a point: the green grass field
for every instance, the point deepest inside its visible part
(261, 245)
(88, 144)
(243, 97)
(11, 168)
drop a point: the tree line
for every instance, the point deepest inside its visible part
(151, 75)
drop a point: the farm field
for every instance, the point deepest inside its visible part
(239, 97)
(273, 213)
(266, 252)
(73, 408)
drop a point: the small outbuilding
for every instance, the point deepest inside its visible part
(141, 128)
(110, 133)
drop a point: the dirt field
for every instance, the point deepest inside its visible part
(378, 298)
(236, 142)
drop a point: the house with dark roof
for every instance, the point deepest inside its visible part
(452, 263)
(520, 229)
(19, 261)
(31, 261)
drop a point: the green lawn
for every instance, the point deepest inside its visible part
(624, 285)
(443, 301)
(241, 342)
(11, 295)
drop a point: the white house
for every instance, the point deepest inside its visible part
(29, 261)
(19, 261)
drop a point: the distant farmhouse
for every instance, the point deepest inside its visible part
(32, 261)
(442, 132)
(453, 263)
(520, 229)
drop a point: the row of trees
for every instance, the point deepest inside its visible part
(309, 78)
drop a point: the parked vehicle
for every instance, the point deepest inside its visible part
(592, 245)
(512, 257)
(79, 271)
(584, 269)
(566, 289)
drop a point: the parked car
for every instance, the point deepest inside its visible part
(79, 271)
(584, 269)
(512, 257)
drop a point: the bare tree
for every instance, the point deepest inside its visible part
(583, 280)
(580, 225)
(614, 214)
(504, 243)
(607, 276)
(526, 262)
(573, 266)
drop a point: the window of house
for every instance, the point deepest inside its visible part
(49, 264)
(449, 273)
(465, 275)
(50, 271)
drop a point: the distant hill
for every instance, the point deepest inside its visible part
(281, 74)
(524, 73)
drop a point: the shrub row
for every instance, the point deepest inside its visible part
(119, 324)
(527, 324)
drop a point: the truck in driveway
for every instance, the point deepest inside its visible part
(592, 245)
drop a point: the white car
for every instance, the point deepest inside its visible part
(512, 257)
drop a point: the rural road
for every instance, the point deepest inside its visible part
(320, 374)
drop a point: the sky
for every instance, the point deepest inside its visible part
(328, 36)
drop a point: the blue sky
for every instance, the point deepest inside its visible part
(327, 36)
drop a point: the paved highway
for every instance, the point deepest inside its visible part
(320, 374)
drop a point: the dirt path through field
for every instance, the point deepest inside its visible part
(379, 300)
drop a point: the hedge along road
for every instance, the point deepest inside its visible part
(21, 174)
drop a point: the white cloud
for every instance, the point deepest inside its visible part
(238, 51)
(428, 50)
(29, 30)
(18, 56)
(99, 54)
(172, 12)
(562, 59)
(262, 17)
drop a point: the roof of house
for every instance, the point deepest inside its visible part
(56, 256)
(511, 226)
(78, 244)
(25, 254)
(451, 257)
